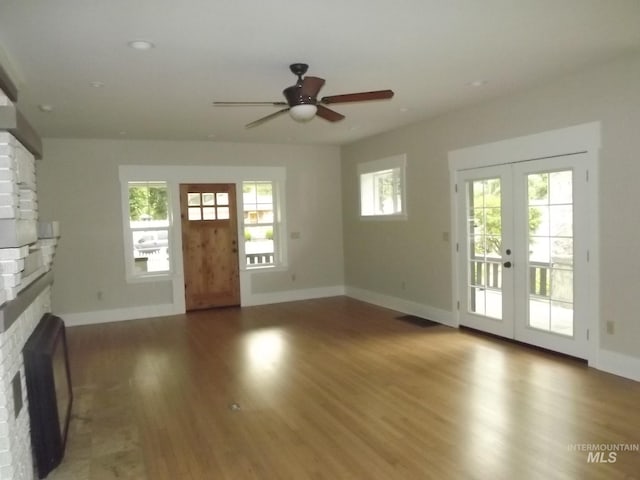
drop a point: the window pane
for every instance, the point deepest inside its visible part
(538, 188)
(148, 203)
(149, 224)
(249, 193)
(222, 198)
(264, 214)
(250, 216)
(561, 220)
(223, 213)
(562, 248)
(209, 213)
(561, 187)
(208, 199)
(264, 190)
(259, 245)
(194, 213)
(193, 199)
(150, 251)
(384, 192)
(259, 223)
(381, 191)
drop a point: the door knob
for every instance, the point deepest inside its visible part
(507, 264)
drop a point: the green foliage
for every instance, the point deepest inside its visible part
(487, 221)
(247, 235)
(269, 234)
(148, 202)
(259, 188)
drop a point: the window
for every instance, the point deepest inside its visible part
(208, 206)
(148, 228)
(259, 223)
(382, 187)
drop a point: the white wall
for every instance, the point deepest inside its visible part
(380, 256)
(79, 186)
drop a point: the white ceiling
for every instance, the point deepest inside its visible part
(427, 51)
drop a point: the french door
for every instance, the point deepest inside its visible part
(522, 253)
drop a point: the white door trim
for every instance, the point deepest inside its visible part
(585, 138)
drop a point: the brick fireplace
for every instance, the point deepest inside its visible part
(16, 461)
(26, 256)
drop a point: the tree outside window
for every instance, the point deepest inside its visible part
(149, 226)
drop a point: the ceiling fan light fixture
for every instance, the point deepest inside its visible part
(303, 112)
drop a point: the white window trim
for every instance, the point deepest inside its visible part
(174, 175)
(387, 163)
(279, 227)
(584, 138)
(131, 275)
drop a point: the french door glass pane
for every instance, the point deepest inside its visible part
(485, 238)
(550, 205)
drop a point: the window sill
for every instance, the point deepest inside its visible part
(151, 277)
(271, 268)
(400, 216)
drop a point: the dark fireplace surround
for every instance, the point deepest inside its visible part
(49, 392)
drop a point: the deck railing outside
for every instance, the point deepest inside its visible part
(488, 274)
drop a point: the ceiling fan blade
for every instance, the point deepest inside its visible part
(358, 97)
(328, 114)
(311, 86)
(248, 104)
(262, 120)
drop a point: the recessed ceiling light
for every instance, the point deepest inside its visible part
(211, 135)
(141, 44)
(404, 109)
(122, 132)
(45, 107)
(97, 84)
(477, 83)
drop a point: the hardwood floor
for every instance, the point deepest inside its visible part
(335, 389)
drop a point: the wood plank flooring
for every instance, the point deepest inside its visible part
(335, 389)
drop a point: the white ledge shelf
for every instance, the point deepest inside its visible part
(11, 310)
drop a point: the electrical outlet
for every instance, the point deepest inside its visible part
(611, 327)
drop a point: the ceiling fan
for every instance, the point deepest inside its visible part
(302, 103)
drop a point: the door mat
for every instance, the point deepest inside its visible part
(420, 322)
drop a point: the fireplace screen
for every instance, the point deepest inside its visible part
(49, 391)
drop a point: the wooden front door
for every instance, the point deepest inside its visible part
(209, 245)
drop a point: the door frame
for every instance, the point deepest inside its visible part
(586, 139)
(174, 175)
(218, 231)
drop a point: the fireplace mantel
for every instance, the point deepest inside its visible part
(11, 310)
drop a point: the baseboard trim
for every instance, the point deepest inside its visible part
(117, 314)
(619, 364)
(401, 305)
(150, 311)
(608, 361)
